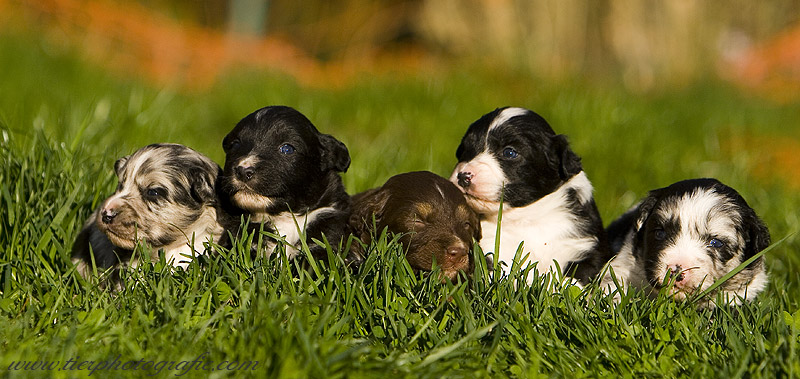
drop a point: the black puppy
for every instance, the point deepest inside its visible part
(512, 155)
(691, 233)
(430, 212)
(284, 174)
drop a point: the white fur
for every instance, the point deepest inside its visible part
(547, 229)
(289, 226)
(205, 229)
(483, 193)
(505, 115)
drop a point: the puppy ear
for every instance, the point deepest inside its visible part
(366, 206)
(757, 235)
(202, 182)
(477, 234)
(120, 164)
(334, 154)
(569, 163)
(643, 211)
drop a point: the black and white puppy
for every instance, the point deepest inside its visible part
(512, 155)
(283, 173)
(165, 199)
(692, 233)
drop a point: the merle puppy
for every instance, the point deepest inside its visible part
(165, 199)
(511, 156)
(431, 213)
(284, 174)
(689, 235)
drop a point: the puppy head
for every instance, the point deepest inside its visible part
(432, 214)
(163, 189)
(276, 159)
(696, 231)
(512, 152)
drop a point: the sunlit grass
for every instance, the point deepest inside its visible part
(63, 124)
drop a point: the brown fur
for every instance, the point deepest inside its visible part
(430, 212)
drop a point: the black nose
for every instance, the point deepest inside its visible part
(244, 172)
(108, 215)
(676, 271)
(464, 179)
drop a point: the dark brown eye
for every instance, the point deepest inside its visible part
(232, 144)
(660, 234)
(155, 193)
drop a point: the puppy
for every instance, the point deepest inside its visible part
(512, 157)
(430, 212)
(690, 233)
(284, 175)
(165, 199)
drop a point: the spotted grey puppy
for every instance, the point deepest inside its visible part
(690, 233)
(165, 199)
(283, 174)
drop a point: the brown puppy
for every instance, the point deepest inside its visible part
(432, 214)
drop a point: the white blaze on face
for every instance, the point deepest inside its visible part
(702, 216)
(504, 116)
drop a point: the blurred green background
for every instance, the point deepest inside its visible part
(698, 89)
(648, 92)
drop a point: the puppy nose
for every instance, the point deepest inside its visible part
(108, 215)
(464, 179)
(244, 172)
(677, 272)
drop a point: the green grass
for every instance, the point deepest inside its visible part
(63, 123)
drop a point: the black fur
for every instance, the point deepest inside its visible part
(301, 181)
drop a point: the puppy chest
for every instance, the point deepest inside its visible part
(542, 242)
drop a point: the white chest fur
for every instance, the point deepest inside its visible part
(203, 230)
(290, 228)
(547, 229)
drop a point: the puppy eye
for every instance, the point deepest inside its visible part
(155, 192)
(510, 153)
(287, 149)
(467, 225)
(660, 234)
(232, 145)
(715, 243)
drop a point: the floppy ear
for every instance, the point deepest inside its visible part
(569, 163)
(477, 235)
(120, 164)
(202, 182)
(334, 154)
(367, 206)
(757, 234)
(643, 211)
